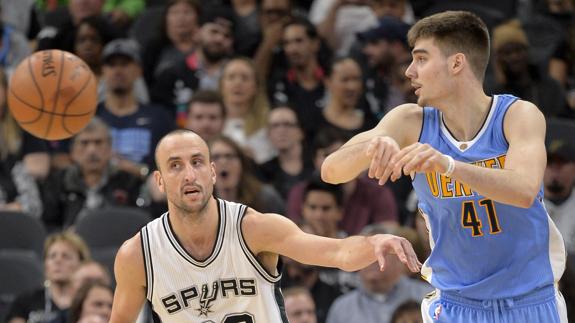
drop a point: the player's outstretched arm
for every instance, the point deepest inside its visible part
(373, 148)
(277, 234)
(130, 274)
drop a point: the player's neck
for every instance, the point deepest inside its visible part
(197, 232)
(465, 111)
(121, 105)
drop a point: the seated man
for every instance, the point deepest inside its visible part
(90, 182)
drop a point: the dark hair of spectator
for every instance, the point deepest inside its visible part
(327, 137)
(405, 307)
(105, 30)
(310, 29)
(338, 60)
(209, 97)
(316, 184)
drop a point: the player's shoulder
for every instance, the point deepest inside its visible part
(130, 253)
(406, 110)
(522, 110)
(403, 123)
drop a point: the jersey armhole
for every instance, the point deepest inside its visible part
(148, 266)
(269, 277)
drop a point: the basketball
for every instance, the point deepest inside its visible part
(52, 94)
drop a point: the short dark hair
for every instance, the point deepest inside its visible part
(456, 32)
(310, 29)
(210, 97)
(317, 184)
(405, 307)
(338, 60)
(327, 137)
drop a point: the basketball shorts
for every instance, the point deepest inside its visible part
(543, 305)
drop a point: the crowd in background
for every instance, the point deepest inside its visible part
(273, 86)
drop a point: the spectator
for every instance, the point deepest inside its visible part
(206, 114)
(136, 127)
(63, 254)
(296, 274)
(515, 75)
(92, 303)
(92, 182)
(199, 70)
(90, 271)
(322, 211)
(236, 181)
(274, 14)
(381, 292)
(247, 28)
(93, 34)
(293, 162)
(345, 90)
(301, 85)
(299, 305)
(559, 178)
(176, 38)
(24, 160)
(247, 109)
(364, 202)
(385, 46)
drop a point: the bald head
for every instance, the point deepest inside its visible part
(175, 139)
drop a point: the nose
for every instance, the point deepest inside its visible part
(410, 71)
(190, 173)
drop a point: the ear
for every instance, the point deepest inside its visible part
(457, 62)
(213, 168)
(159, 181)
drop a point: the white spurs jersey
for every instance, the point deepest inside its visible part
(230, 286)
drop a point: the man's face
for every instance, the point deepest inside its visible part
(428, 73)
(216, 40)
(92, 150)
(378, 53)
(298, 47)
(345, 83)
(321, 212)
(185, 175)
(559, 177)
(273, 11)
(300, 308)
(377, 281)
(181, 19)
(205, 119)
(120, 73)
(283, 129)
(62, 259)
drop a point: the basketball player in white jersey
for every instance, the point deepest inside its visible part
(210, 260)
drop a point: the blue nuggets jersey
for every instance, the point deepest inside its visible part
(481, 248)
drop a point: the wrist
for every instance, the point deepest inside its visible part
(450, 166)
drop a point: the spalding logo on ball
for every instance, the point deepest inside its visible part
(52, 94)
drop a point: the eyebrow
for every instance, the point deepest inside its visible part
(196, 155)
(419, 51)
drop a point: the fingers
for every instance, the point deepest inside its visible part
(381, 261)
(375, 153)
(400, 159)
(387, 171)
(412, 262)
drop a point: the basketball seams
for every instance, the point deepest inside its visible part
(90, 78)
(51, 115)
(38, 89)
(47, 112)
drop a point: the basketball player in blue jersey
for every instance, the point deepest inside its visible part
(210, 260)
(477, 164)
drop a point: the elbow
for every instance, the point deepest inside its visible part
(526, 198)
(328, 173)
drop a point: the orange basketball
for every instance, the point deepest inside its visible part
(52, 94)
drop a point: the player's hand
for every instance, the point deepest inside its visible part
(385, 244)
(381, 150)
(418, 158)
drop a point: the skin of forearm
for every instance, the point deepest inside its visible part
(346, 163)
(502, 185)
